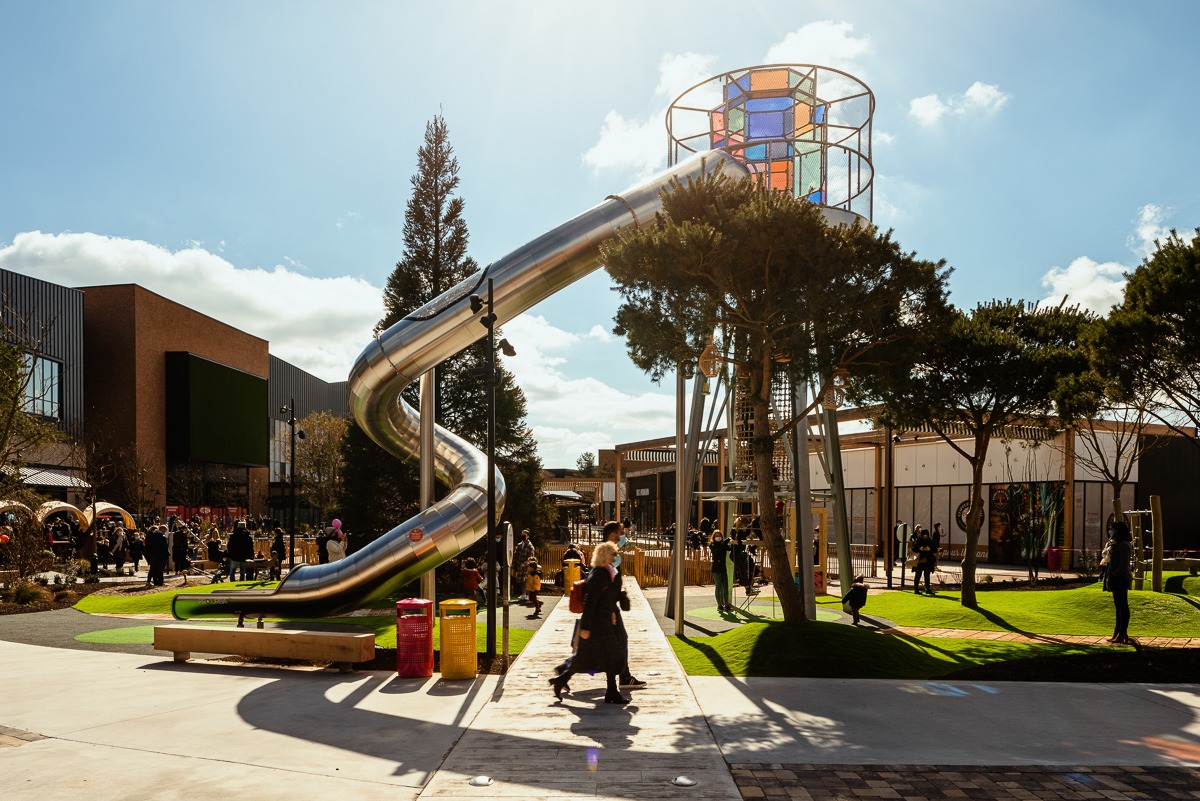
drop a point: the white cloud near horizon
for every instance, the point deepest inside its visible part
(980, 99)
(317, 324)
(635, 144)
(1095, 286)
(573, 415)
(1100, 286)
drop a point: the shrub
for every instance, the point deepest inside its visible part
(42, 581)
(26, 594)
(1089, 564)
(91, 578)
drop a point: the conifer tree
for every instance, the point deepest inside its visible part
(435, 259)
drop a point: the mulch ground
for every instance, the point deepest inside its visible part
(933, 783)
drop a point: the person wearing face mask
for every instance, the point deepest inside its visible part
(614, 532)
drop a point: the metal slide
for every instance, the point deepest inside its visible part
(398, 357)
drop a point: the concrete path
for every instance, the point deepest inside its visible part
(873, 722)
(534, 747)
(79, 724)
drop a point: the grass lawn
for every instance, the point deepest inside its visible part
(831, 650)
(1083, 611)
(384, 625)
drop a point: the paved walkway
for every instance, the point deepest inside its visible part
(536, 748)
(122, 727)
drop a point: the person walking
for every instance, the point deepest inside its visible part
(599, 649)
(522, 553)
(1118, 578)
(922, 545)
(240, 550)
(855, 598)
(614, 533)
(137, 549)
(720, 571)
(118, 546)
(179, 550)
(533, 585)
(157, 552)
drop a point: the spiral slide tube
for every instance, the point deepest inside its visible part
(398, 357)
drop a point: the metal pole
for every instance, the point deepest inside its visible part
(292, 475)
(681, 504)
(428, 385)
(889, 503)
(491, 477)
(838, 485)
(803, 484)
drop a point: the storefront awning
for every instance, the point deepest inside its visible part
(52, 477)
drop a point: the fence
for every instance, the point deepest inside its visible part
(862, 560)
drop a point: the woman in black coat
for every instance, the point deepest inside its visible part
(1118, 578)
(599, 648)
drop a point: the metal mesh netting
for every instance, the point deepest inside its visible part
(800, 128)
(745, 426)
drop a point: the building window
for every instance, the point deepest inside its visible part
(44, 387)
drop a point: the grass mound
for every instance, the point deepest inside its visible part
(830, 650)
(1083, 611)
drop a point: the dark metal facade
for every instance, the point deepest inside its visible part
(41, 311)
(287, 381)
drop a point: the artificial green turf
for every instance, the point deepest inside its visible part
(384, 625)
(832, 650)
(129, 635)
(1084, 611)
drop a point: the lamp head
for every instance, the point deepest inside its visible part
(476, 304)
(507, 349)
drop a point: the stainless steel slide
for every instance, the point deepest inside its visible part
(397, 358)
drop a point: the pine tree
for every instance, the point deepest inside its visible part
(435, 259)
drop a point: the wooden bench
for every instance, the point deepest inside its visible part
(344, 648)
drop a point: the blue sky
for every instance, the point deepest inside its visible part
(253, 159)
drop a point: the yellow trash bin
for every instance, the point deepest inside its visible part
(456, 638)
(571, 573)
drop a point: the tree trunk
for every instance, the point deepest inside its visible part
(764, 447)
(974, 524)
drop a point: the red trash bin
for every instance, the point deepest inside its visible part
(414, 638)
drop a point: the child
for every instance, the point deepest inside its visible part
(856, 598)
(472, 578)
(533, 585)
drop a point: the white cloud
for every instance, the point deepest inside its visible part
(569, 413)
(927, 110)
(636, 144)
(828, 43)
(677, 74)
(1097, 286)
(318, 324)
(882, 138)
(984, 97)
(1094, 286)
(1147, 228)
(979, 99)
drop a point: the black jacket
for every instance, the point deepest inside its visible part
(719, 551)
(156, 547)
(241, 546)
(602, 650)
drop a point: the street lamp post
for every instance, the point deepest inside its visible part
(290, 411)
(488, 321)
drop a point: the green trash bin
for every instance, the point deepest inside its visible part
(456, 638)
